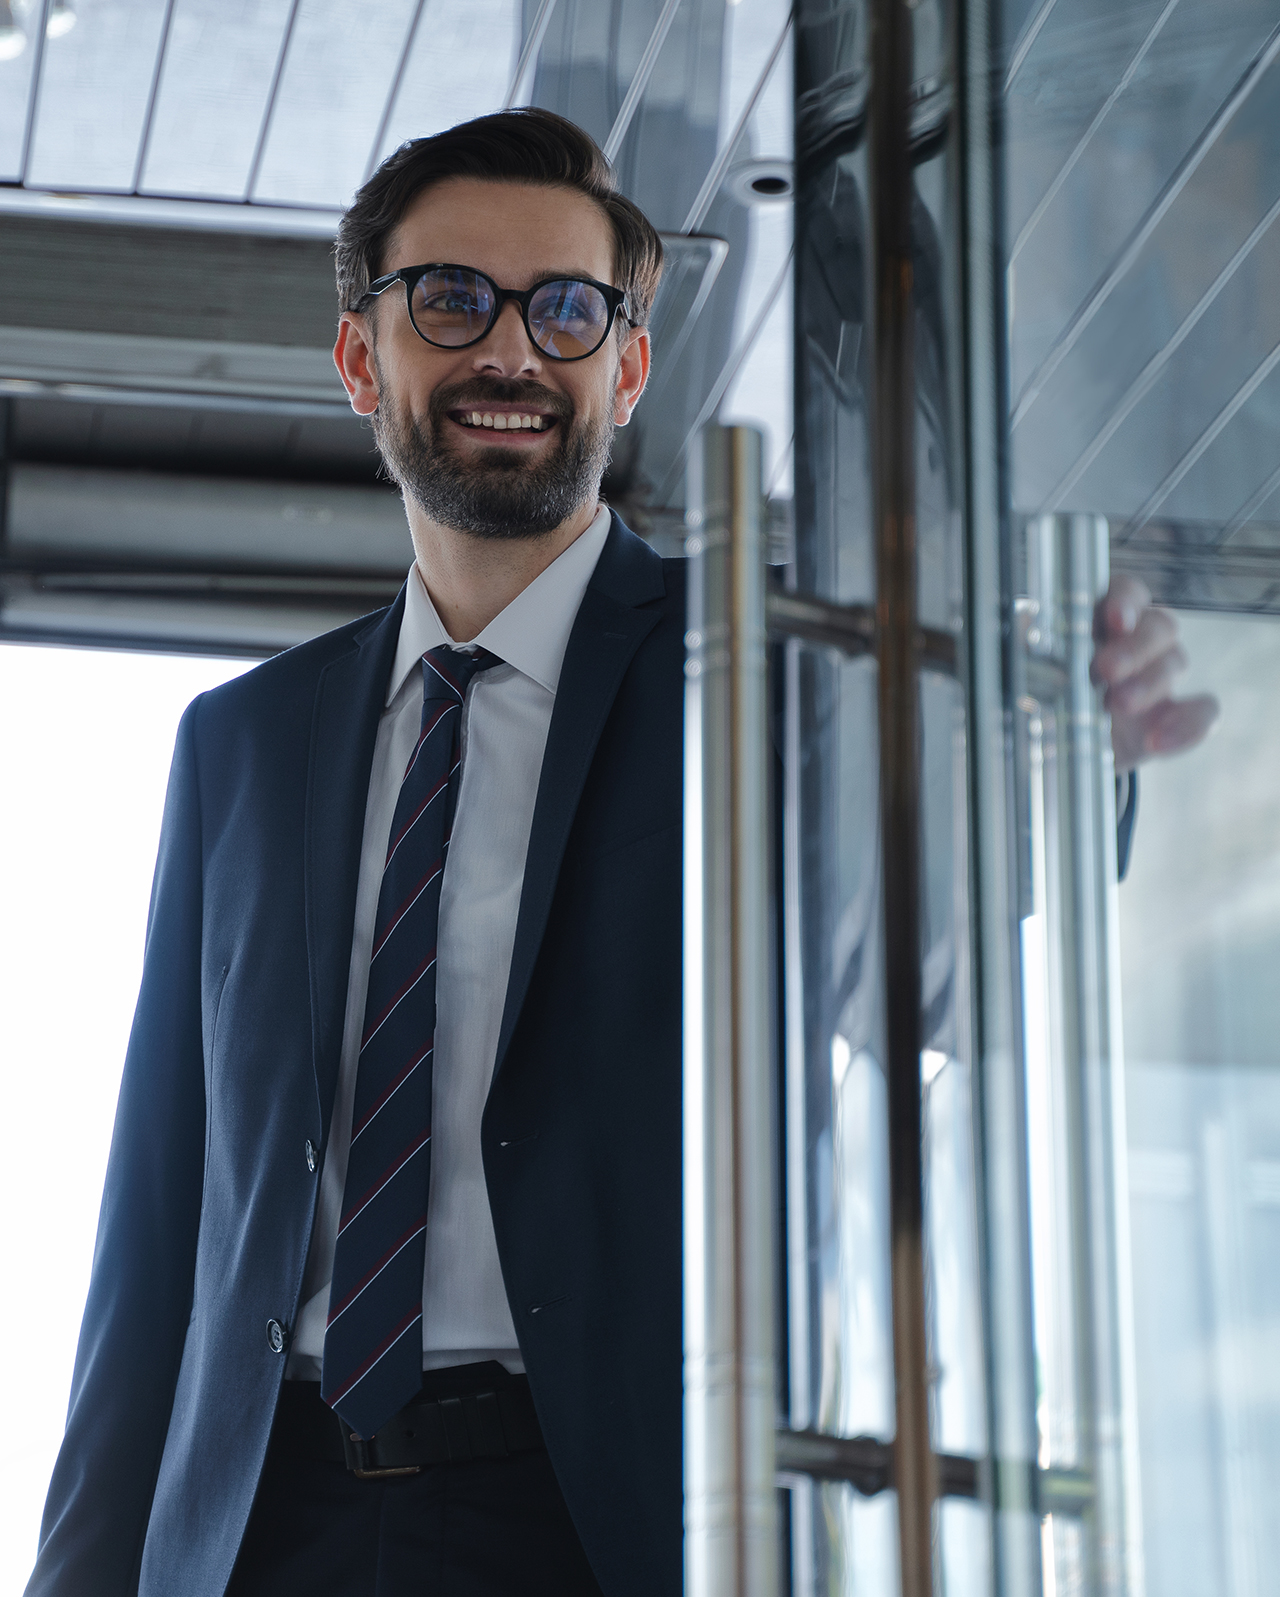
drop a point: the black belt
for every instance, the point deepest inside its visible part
(472, 1411)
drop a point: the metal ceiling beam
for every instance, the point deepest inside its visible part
(1159, 208)
(264, 129)
(529, 54)
(153, 94)
(640, 82)
(37, 78)
(393, 94)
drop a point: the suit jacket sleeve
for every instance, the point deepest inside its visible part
(140, 1292)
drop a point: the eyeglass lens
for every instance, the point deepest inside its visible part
(567, 319)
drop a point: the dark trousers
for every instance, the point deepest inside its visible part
(487, 1528)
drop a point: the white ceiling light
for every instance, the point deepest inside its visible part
(62, 18)
(13, 41)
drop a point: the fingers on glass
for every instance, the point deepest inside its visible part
(453, 306)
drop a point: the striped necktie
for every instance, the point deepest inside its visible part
(373, 1342)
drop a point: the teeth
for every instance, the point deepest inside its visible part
(500, 422)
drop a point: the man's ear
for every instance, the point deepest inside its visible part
(633, 374)
(353, 356)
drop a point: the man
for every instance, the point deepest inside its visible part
(392, 1134)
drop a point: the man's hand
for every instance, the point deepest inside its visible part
(1136, 658)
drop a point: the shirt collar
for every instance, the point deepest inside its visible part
(531, 634)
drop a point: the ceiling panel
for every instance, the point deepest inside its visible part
(220, 63)
(332, 98)
(460, 66)
(95, 86)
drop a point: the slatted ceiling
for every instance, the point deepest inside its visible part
(329, 108)
(95, 85)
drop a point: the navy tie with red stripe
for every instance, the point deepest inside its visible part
(373, 1343)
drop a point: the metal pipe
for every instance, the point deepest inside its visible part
(730, 1401)
(640, 82)
(892, 193)
(1102, 290)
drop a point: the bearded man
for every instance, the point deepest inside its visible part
(388, 1269)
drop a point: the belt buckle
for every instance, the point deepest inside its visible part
(358, 1454)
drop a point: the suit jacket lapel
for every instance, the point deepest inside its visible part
(608, 630)
(349, 701)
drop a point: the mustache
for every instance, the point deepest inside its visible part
(500, 391)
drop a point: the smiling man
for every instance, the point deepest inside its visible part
(387, 1292)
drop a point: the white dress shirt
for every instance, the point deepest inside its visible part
(505, 718)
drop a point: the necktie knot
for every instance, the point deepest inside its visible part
(446, 672)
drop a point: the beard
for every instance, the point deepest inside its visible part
(497, 493)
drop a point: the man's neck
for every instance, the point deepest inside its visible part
(471, 579)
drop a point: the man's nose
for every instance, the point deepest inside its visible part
(506, 349)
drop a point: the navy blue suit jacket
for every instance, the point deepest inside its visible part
(232, 1064)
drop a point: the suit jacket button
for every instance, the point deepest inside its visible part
(275, 1336)
(311, 1156)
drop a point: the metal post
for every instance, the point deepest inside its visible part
(730, 1407)
(892, 191)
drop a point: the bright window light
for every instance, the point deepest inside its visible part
(86, 737)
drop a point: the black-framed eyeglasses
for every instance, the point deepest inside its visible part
(567, 318)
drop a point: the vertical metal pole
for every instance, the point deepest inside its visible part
(892, 190)
(730, 1408)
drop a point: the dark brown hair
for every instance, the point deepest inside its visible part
(523, 146)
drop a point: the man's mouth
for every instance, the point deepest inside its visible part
(504, 421)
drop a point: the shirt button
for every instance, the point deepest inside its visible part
(275, 1336)
(311, 1156)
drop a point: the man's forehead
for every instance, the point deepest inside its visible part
(531, 230)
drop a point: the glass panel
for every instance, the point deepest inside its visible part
(95, 85)
(460, 66)
(325, 122)
(219, 64)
